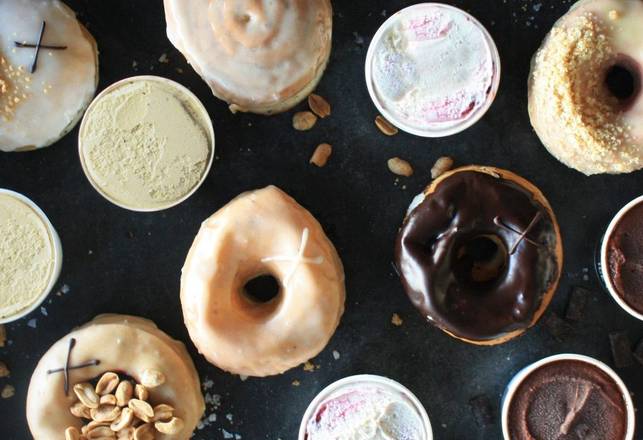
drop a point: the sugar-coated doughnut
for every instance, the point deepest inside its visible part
(585, 100)
(259, 56)
(480, 254)
(136, 351)
(263, 232)
(43, 97)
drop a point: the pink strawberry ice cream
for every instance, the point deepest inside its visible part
(434, 70)
(366, 412)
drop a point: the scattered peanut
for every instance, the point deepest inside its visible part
(86, 394)
(163, 412)
(303, 121)
(319, 105)
(385, 126)
(124, 393)
(141, 392)
(72, 433)
(144, 432)
(141, 409)
(400, 167)
(174, 426)
(321, 155)
(4, 370)
(441, 166)
(152, 378)
(108, 399)
(107, 383)
(3, 335)
(105, 413)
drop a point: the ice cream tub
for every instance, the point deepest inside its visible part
(30, 256)
(432, 70)
(366, 407)
(620, 258)
(146, 143)
(567, 396)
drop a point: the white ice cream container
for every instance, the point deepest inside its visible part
(366, 381)
(423, 96)
(603, 263)
(54, 272)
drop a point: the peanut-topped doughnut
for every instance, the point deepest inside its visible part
(259, 56)
(480, 254)
(117, 376)
(585, 99)
(259, 233)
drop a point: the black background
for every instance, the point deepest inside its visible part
(125, 262)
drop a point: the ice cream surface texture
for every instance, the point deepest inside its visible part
(145, 143)
(27, 256)
(366, 412)
(432, 67)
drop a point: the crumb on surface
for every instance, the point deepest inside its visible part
(7, 392)
(396, 320)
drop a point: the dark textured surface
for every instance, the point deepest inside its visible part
(118, 261)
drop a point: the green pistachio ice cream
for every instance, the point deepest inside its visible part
(146, 144)
(27, 256)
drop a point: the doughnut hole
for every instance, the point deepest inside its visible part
(262, 289)
(623, 80)
(480, 261)
(258, 293)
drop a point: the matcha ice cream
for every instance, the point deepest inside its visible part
(146, 143)
(27, 256)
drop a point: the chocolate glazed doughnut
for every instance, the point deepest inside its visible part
(480, 254)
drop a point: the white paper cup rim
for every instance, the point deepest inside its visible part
(58, 257)
(518, 379)
(365, 379)
(433, 133)
(605, 264)
(198, 105)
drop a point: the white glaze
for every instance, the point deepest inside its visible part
(257, 55)
(53, 98)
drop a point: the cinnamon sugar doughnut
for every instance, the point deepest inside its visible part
(259, 56)
(585, 100)
(263, 232)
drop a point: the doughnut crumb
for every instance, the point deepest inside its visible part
(574, 113)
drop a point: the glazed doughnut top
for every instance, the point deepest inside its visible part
(444, 237)
(37, 108)
(252, 51)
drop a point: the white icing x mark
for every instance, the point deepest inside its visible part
(296, 259)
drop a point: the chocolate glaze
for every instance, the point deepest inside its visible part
(567, 400)
(625, 257)
(461, 210)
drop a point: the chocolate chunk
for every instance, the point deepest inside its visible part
(482, 410)
(621, 350)
(559, 328)
(577, 302)
(638, 353)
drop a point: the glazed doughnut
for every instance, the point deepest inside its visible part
(259, 56)
(125, 345)
(585, 99)
(38, 108)
(480, 254)
(263, 232)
